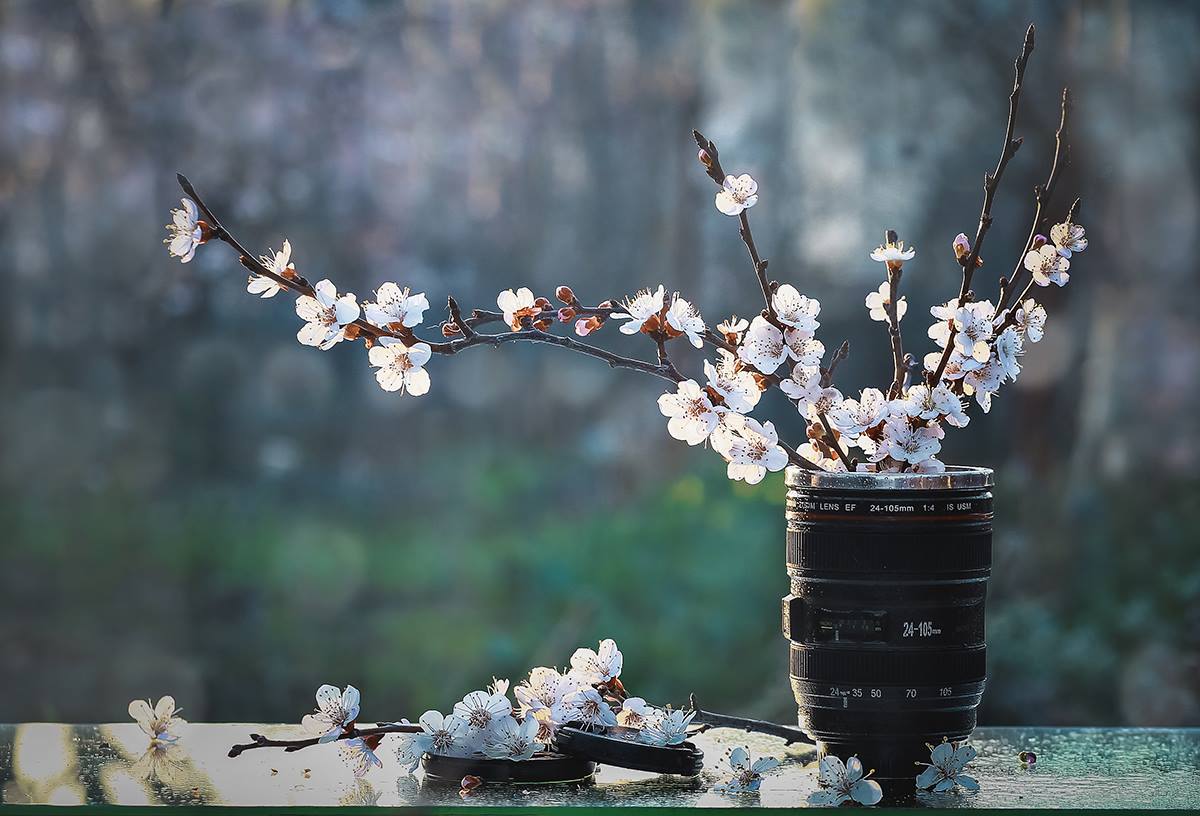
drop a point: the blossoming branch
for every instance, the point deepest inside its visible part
(898, 427)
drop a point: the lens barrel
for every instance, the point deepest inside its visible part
(886, 612)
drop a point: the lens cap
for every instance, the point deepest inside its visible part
(683, 760)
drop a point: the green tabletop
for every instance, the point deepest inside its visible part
(81, 765)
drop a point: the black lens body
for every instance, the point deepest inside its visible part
(885, 617)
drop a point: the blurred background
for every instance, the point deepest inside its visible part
(192, 503)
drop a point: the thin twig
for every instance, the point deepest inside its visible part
(1042, 194)
(717, 174)
(833, 443)
(711, 719)
(300, 285)
(991, 181)
(259, 741)
(891, 310)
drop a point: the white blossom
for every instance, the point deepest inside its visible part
(278, 262)
(930, 465)
(394, 305)
(806, 351)
(443, 735)
(737, 194)
(408, 751)
(546, 689)
(944, 771)
(853, 416)
(600, 666)
(984, 381)
(939, 332)
(1009, 346)
(813, 454)
(401, 367)
(685, 319)
(737, 388)
(844, 782)
(893, 253)
(185, 231)
(593, 712)
(336, 711)
(360, 755)
(825, 401)
(804, 386)
(516, 306)
(1031, 318)
(763, 346)
(480, 710)
(746, 776)
(640, 308)
(1047, 266)
(956, 366)
(974, 329)
(510, 740)
(796, 310)
(753, 450)
(1068, 238)
(157, 721)
(734, 327)
(668, 729)
(922, 402)
(636, 713)
(906, 443)
(877, 303)
(691, 415)
(325, 316)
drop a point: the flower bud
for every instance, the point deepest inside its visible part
(565, 294)
(606, 304)
(962, 246)
(542, 325)
(542, 303)
(565, 314)
(449, 330)
(1039, 241)
(351, 331)
(469, 783)
(705, 159)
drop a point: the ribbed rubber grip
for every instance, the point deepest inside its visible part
(839, 550)
(888, 667)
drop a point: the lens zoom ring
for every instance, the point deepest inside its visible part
(925, 552)
(888, 668)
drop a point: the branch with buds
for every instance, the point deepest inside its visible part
(898, 428)
(486, 724)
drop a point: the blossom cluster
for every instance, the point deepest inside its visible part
(979, 345)
(492, 724)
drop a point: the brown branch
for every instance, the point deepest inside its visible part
(1010, 316)
(456, 318)
(470, 338)
(259, 741)
(714, 171)
(1042, 194)
(711, 719)
(893, 319)
(991, 181)
(664, 359)
(833, 443)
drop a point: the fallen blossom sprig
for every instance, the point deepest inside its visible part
(745, 775)
(946, 766)
(840, 782)
(158, 721)
(490, 724)
(897, 427)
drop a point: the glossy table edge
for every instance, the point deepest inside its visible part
(1132, 754)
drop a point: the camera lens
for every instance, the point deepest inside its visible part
(885, 616)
